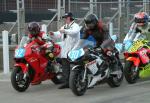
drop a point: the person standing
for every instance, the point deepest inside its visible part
(70, 34)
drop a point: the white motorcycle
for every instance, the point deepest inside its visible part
(93, 66)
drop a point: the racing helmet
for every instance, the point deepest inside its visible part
(91, 21)
(141, 18)
(34, 28)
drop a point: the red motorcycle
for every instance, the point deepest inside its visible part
(137, 63)
(30, 64)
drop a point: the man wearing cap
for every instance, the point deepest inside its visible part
(70, 34)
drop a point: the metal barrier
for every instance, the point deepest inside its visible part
(118, 15)
(5, 52)
(120, 12)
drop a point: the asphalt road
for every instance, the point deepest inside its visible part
(47, 92)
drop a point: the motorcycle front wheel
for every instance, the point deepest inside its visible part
(76, 84)
(18, 82)
(130, 73)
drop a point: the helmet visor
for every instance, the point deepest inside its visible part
(34, 31)
(90, 25)
(140, 20)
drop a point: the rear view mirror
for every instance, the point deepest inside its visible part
(114, 37)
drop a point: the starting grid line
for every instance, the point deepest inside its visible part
(5, 77)
(4, 80)
(139, 83)
(129, 85)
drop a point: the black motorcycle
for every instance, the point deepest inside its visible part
(94, 66)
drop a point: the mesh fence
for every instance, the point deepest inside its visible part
(37, 10)
(109, 12)
(30, 5)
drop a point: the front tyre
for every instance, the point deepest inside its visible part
(18, 82)
(76, 84)
(130, 72)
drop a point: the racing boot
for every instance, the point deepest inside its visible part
(66, 74)
(49, 67)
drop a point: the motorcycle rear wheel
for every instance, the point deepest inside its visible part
(57, 80)
(116, 80)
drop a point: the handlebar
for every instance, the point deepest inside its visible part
(36, 48)
(95, 51)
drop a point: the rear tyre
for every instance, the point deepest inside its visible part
(116, 79)
(57, 79)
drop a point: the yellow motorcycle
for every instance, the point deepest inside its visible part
(137, 61)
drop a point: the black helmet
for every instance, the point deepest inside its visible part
(91, 21)
(69, 14)
(34, 28)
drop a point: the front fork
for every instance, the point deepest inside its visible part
(84, 76)
(136, 69)
(25, 69)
